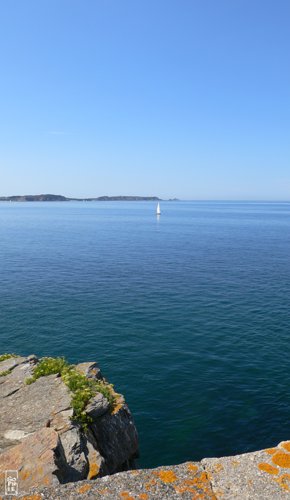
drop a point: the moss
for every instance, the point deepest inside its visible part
(82, 388)
(5, 356)
(5, 372)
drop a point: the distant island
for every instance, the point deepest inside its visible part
(58, 197)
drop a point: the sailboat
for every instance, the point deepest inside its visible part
(158, 211)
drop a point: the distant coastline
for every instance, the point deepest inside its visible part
(57, 197)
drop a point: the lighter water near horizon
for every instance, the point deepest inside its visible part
(187, 314)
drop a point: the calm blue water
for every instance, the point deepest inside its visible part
(189, 315)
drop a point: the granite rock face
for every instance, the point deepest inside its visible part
(39, 439)
(261, 475)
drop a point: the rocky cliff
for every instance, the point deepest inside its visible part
(61, 430)
(261, 475)
(61, 423)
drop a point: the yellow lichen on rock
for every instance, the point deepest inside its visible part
(219, 467)
(199, 486)
(192, 468)
(284, 481)
(150, 484)
(166, 476)
(119, 402)
(30, 497)
(94, 470)
(282, 459)
(286, 445)
(84, 489)
(270, 451)
(104, 492)
(265, 467)
(125, 495)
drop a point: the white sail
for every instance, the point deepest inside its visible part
(158, 211)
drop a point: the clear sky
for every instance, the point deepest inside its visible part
(174, 98)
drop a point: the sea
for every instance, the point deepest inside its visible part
(188, 314)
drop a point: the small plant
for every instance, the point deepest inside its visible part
(82, 388)
(47, 366)
(5, 356)
(5, 372)
(107, 390)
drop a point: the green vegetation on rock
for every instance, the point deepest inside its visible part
(48, 366)
(82, 388)
(5, 372)
(5, 356)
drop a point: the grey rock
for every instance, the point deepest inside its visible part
(187, 481)
(251, 476)
(36, 423)
(32, 359)
(29, 407)
(16, 435)
(39, 459)
(90, 370)
(13, 382)
(117, 439)
(74, 446)
(11, 363)
(260, 475)
(97, 406)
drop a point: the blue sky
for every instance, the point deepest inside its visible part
(175, 98)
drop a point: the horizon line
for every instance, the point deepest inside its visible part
(202, 200)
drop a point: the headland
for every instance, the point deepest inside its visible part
(58, 197)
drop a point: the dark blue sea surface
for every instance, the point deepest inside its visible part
(188, 314)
